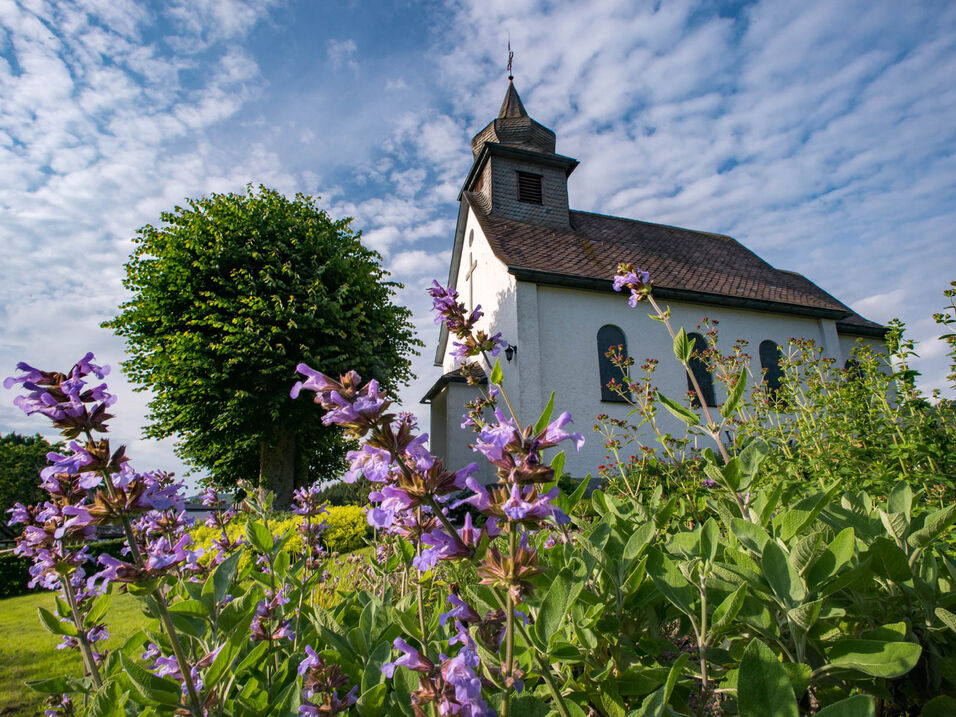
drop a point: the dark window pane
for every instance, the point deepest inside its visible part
(529, 188)
(699, 368)
(770, 363)
(608, 336)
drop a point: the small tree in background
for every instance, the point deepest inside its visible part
(229, 295)
(21, 458)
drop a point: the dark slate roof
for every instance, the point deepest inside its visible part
(512, 106)
(459, 375)
(683, 263)
(514, 127)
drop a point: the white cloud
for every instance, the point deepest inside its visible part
(343, 53)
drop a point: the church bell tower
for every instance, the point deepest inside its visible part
(516, 171)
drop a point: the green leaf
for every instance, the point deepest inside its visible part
(804, 616)
(223, 576)
(545, 416)
(709, 540)
(150, 686)
(683, 347)
(939, 706)
(836, 555)
(51, 623)
(557, 603)
(734, 395)
(875, 657)
(856, 706)
(684, 414)
(671, 583)
(751, 457)
(947, 618)
(889, 561)
(933, 525)
(372, 702)
(783, 579)
(496, 375)
(259, 536)
(557, 464)
(752, 536)
(896, 524)
(372, 674)
(728, 608)
(253, 658)
(189, 607)
(53, 685)
(97, 612)
(654, 705)
(763, 688)
(578, 493)
(900, 499)
(639, 540)
(108, 702)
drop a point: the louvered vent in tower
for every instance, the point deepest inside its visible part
(529, 188)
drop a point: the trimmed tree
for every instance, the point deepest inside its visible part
(230, 293)
(21, 458)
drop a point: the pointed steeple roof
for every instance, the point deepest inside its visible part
(512, 108)
(513, 127)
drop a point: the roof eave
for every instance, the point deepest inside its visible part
(605, 285)
(876, 332)
(444, 381)
(494, 148)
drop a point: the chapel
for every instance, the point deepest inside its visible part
(542, 273)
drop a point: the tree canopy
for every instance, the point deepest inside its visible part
(229, 294)
(21, 458)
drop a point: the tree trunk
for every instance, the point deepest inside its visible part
(277, 464)
(301, 469)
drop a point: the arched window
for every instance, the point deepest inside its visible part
(608, 336)
(770, 363)
(699, 368)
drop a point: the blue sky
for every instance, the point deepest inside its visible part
(819, 134)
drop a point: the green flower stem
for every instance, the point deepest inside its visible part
(544, 667)
(195, 704)
(510, 626)
(80, 632)
(715, 431)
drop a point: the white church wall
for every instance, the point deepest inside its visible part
(848, 343)
(494, 289)
(568, 321)
(458, 454)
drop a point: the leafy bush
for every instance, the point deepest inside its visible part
(346, 530)
(21, 458)
(342, 493)
(15, 570)
(747, 592)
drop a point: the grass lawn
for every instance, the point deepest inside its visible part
(28, 651)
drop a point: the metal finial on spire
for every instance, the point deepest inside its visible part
(511, 57)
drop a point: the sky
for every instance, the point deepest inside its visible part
(820, 134)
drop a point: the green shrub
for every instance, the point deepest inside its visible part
(346, 530)
(15, 571)
(342, 493)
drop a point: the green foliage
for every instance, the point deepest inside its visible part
(15, 570)
(346, 530)
(230, 293)
(342, 493)
(21, 458)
